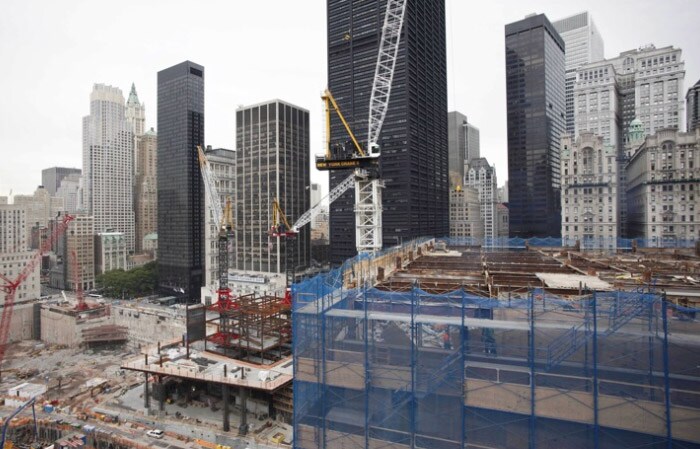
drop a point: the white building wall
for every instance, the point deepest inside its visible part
(108, 163)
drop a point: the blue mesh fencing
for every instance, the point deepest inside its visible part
(412, 369)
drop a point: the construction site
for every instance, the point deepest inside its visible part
(443, 345)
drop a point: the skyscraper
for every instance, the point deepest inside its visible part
(414, 137)
(583, 44)
(692, 99)
(536, 119)
(51, 177)
(135, 113)
(180, 186)
(272, 162)
(146, 186)
(108, 158)
(463, 145)
(481, 176)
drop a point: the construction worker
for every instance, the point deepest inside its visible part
(489, 339)
(447, 344)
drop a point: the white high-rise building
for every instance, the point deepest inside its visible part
(481, 176)
(135, 113)
(41, 208)
(646, 83)
(68, 190)
(583, 45)
(108, 164)
(14, 251)
(589, 184)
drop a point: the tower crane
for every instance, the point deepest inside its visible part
(224, 222)
(10, 286)
(365, 162)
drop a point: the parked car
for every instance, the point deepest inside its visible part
(155, 433)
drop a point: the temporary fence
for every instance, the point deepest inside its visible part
(410, 369)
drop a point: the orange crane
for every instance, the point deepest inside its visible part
(10, 286)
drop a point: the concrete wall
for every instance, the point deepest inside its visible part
(22, 323)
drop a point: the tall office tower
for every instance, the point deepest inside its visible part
(13, 232)
(589, 191)
(180, 186)
(79, 239)
(693, 107)
(465, 215)
(108, 159)
(223, 165)
(41, 208)
(583, 44)
(414, 137)
(316, 194)
(146, 187)
(68, 191)
(15, 253)
(482, 177)
(462, 144)
(51, 177)
(272, 161)
(535, 90)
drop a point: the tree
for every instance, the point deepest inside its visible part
(139, 281)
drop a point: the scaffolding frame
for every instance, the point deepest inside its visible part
(410, 369)
(254, 328)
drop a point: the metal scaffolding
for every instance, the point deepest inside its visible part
(411, 369)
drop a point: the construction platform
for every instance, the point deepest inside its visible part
(460, 346)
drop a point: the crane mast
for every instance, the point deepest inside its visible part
(368, 189)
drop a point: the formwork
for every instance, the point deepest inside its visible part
(375, 368)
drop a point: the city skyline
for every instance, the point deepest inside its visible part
(480, 94)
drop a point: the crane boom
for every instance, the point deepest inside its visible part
(333, 195)
(384, 70)
(368, 189)
(210, 188)
(11, 286)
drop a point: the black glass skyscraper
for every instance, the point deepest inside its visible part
(414, 137)
(535, 89)
(180, 187)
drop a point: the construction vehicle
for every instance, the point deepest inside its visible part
(223, 218)
(10, 286)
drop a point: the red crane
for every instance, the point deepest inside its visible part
(78, 280)
(10, 286)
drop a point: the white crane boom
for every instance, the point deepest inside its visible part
(368, 191)
(384, 70)
(333, 195)
(210, 188)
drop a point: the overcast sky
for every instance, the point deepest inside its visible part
(54, 51)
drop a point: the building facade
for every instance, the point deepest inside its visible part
(482, 176)
(692, 99)
(589, 191)
(69, 191)
(108, 163)
(463, 145)
(272, 162)
(646, 83)
(414, 136)
(51, 177)
(502, 220)
(41, 207)
(465, 213)
(223, 165)
(75, 250)
(583, 44)
(180, 187)
(12, 265)
(135, 114)
(110, 252)
(536, 105)
(13, 229)
(146, 187)
(663, 187)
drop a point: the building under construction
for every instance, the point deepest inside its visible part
(503, 347)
